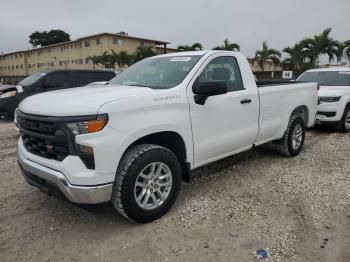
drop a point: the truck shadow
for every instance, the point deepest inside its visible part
(199, 177)
(244, 158)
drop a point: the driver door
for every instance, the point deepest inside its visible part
(226, 123)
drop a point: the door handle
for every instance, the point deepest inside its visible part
(246, 101)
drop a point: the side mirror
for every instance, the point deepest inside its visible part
(203, 90)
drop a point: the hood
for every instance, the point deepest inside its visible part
(4, 88)
(333, 90)
(78, 101)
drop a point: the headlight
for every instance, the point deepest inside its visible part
(90, 126)
(329, 99)
(8, 94)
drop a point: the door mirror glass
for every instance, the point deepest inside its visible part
(203, 90)
(210, 88)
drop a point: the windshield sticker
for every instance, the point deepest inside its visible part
(180, 59)
(19, 89)
(43, 74)
(345, 73)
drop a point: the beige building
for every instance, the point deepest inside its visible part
(72, 54)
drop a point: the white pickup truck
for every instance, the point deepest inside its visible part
(334, 96)
(133, 141)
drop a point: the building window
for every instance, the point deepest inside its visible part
(142, 44)
(21, 66)
(16, 66)
(117, 41)
(98, 41)
(87, 43)
(87, 60)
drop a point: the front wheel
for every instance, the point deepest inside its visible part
(344, 125)
(147, 183)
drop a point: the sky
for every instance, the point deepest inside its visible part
(247, 22)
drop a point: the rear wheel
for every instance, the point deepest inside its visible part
(344, 125)
(293, 140)
(147, 183)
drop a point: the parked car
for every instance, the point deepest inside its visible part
(132, 141)
(11, 96)
(334, 96)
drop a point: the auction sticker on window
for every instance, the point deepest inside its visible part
(180, 59)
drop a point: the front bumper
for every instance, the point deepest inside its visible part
(329, 112)
(48, 179)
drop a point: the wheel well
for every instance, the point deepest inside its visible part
(303, 112)
(172, 141)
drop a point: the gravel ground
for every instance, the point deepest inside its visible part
(299, 209)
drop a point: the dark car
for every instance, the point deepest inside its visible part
(47, 81)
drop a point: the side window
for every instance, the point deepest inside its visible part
(57, 80)
(106, 76)
(223, 68)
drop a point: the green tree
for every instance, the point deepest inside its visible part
(267, 54)
(95, 60)
(343, 51)
(228, 46)
(321, 44)
(193, 47)
(143, 52)
(297, 57)
(347, 49)
(46, 38)
(107, 60)
(122, 58)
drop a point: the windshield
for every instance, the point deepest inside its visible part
(31, 79)
(157, 72)
(327, 78)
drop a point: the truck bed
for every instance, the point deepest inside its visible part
(276, 82)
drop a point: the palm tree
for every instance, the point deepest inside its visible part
(343, 51)
(267, 54)
(321, 44)
(124, 59)
(347, 49)
(94, 59)
(298, 58)
(228, 46)
(107, 60)
(193, 47)
(144, 52)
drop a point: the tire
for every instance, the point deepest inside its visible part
(285, 145)
(344, 125)
(137, 165)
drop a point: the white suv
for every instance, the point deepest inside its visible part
(334, 96)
